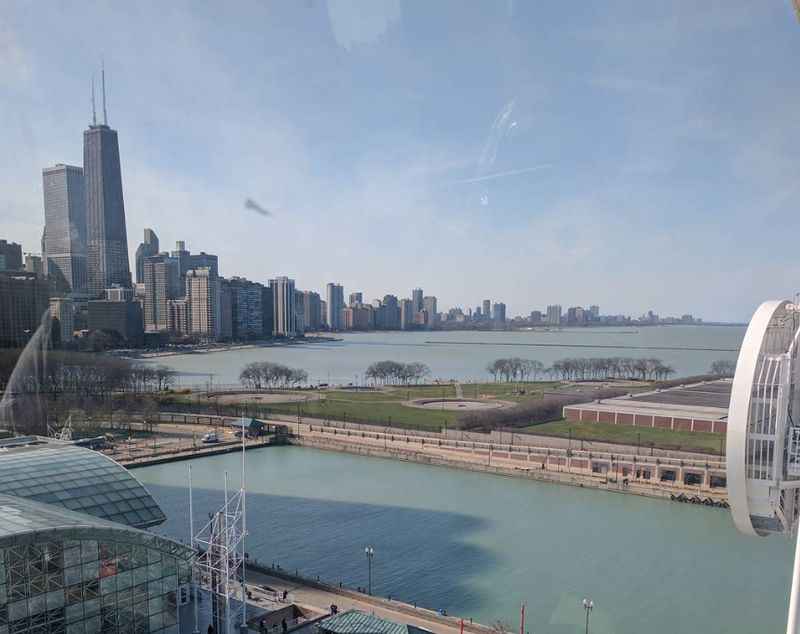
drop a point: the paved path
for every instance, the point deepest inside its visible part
(322, 600)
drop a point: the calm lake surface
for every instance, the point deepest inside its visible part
(477, 545)
(464, 355)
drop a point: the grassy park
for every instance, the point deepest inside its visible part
(644, 437)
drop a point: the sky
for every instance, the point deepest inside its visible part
(635, 155)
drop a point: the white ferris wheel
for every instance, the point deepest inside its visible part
(763, 436)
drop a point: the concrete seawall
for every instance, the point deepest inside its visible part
(655, 490)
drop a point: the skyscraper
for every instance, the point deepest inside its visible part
(417, 299)
(202, 295)
(11, 252)
(312, 311)
(161, 284)
(356, 298)
(554, 314)
(487, 309)
(406, 314)
(65, 228)
(335, 299)
(430, 307)
(147, 248)
(283, 307)
(106, 235)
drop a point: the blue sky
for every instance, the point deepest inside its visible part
(664, 138)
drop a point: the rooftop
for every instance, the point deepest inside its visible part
(355, 622)
(59, 473)
(20, 517)
(708, 400)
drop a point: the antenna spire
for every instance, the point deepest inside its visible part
(103, 79)
(94, 112)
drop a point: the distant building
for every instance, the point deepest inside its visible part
(499, 313)
(62, 309)
(487, 309)
(247, 309)
(12, 256)
(299, 312)
(188, 260)
(323, 313)
(406, 314)
(575, 316)
(356, 298)
(417, 299)
(429, 306)
(122, 319)
(179, 321)
(388, 314)
(147, 249)
(119, 294)
(106, 235)
(162, 282)
(64, 239)
(554, 315)
(268, 311)
(313, 311)
(202, 295)
(594, 312)
(535, 317)
(283, 311)
(24, 297)
(34, 264)
(334, 294)
(225, 329)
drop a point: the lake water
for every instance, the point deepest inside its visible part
(464, 355)
(477, 545)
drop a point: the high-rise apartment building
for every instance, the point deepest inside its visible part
(356, 298)
(64, 240)
(284, 321)
(417, 299)
(389, 313)
(161, 278)
(225, 319)
(299, 312)
(335, 298)
(487, 309)
(202, 295)
(429, 306)
(283, 307)
(313, 311)
(247, 309)
(11, 253)
(406, 314)
(106, 235)
(499, 313)
(554, 315)
(147, 249)
(594, 311)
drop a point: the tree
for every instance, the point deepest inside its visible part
(723, 367)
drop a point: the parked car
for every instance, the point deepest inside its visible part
(210, 438)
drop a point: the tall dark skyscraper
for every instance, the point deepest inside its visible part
(64, 243)
(107, 238)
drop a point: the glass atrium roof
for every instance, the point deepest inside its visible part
(20, 518)
(77, 479)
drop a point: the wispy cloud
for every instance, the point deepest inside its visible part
(489, 177)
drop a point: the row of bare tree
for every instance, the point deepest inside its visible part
(394, 372)
(515, 369)
(260, 375)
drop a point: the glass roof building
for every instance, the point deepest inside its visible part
(87, 570)
(75, 478)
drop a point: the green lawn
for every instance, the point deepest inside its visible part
(625, 434)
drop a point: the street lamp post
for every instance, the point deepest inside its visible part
(588, 604)
(370, 552)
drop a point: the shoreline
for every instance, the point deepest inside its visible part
(202, 349)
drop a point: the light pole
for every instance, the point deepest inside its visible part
(588, 604)
(370, 552)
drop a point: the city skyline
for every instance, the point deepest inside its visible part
(607, 182)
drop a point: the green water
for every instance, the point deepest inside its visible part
(478, 545)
